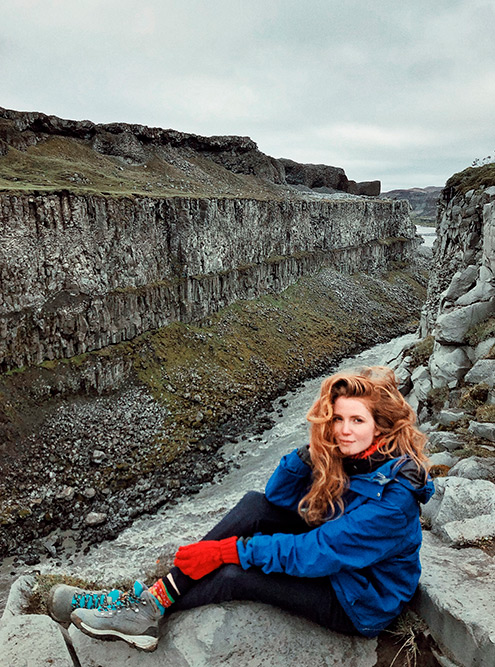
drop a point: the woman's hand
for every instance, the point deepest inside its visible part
(199, 559)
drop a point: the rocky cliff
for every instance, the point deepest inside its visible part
(108, 231)
(79, 273)
(456, 368)
(449, 378)
(47, 152)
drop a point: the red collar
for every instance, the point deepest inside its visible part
(368, 452)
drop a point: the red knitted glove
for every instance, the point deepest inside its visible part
(197, 560)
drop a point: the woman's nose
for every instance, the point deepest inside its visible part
(346, 427)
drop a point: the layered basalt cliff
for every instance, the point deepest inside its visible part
(79, 273)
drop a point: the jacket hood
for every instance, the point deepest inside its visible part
(403, 470)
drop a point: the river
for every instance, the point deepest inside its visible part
(429, 235)
(133, 554)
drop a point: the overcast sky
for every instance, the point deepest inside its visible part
(401, 91)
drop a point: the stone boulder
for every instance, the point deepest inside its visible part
(314, 175)
(368, 188)
(474, 467)
(450, 415)
(451, 327)
(482, 430)
(31, 641)
(446, 440)
(482, 350)
(456, 598)
(239, 634)
(459, 503)
(482, 371)
(421, 381)
(484, 290)
(462, 282)
(447, 365)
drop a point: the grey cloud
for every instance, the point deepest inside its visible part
(403, 92)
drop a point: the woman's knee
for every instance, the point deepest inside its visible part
(253, 500)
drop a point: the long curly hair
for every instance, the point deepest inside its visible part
(376, 386)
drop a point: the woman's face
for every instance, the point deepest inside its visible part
(354, 428)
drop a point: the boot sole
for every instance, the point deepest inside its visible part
(140, 642)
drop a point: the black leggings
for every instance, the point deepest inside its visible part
(314, 599)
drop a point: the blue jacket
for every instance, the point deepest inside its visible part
(370, 552)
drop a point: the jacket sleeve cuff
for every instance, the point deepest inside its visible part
(244, 551)
(304, 455)
(295, 464)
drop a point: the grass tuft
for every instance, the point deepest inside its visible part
(472, 178)
(406, 629)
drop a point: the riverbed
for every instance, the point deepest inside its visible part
(135, 552)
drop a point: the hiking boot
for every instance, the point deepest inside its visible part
(63, 599)
(132, 618)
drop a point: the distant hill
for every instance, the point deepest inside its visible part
(423, 202)
(47, 153)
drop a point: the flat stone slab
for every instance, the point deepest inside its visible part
(482, 371)
(482, 430)
(240, 634)
(19, 595)
(33, 641)
(474, 467)
(446, 440)
(456, 598)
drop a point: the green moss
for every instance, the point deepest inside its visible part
(473, 397)
(421, 351)
(473, 178)
(15, 371)
(437, 398)
(482, 331)
(486, 413)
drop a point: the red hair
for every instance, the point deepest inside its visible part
(394, 418)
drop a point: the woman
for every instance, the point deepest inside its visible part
(335, 538)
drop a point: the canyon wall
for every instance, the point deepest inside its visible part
(458, 318)
(463, 254)
(78, 273)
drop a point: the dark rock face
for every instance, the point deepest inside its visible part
(314, 175)
(368, 188)
(136, 144)
(80, 273)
